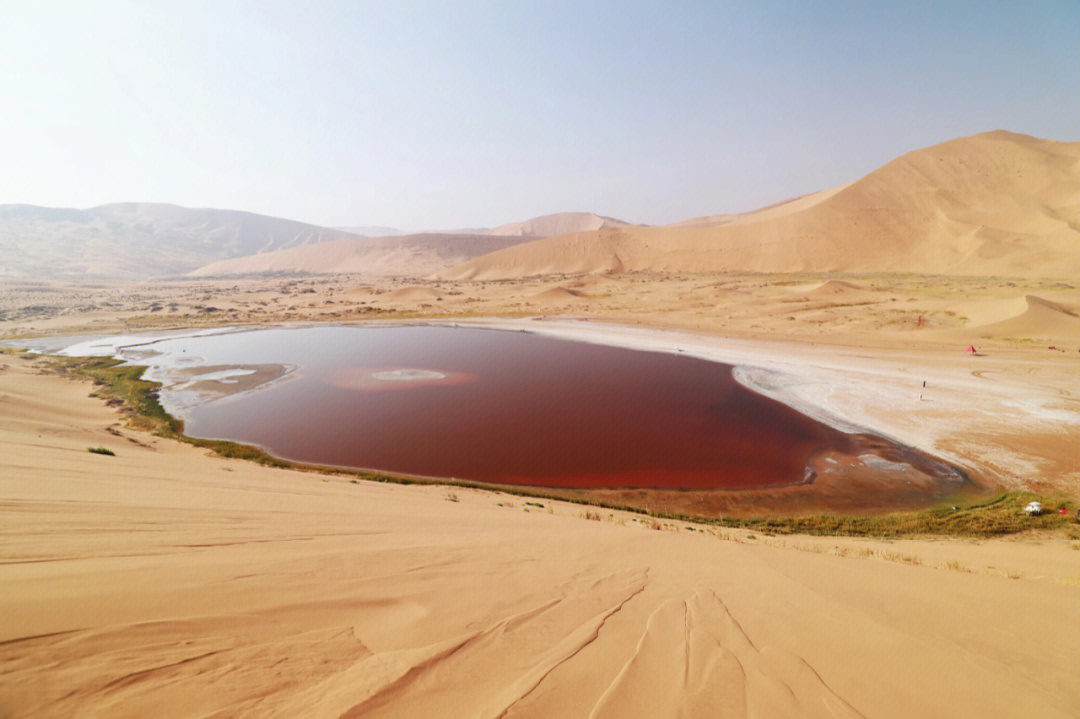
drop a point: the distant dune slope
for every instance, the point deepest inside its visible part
(138, 240)
(406, 255)
(413, 255)
(1026, 316)
(561, 223)
(997, 203)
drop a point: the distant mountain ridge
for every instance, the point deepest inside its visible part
(136, 240)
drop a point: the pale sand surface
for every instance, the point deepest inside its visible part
(167, 582)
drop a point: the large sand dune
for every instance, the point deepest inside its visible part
(997, 203)
(166, 582)
(407, 255)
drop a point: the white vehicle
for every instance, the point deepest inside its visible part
(1034, 508)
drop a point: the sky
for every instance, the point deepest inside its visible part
(466, 114)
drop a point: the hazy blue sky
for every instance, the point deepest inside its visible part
(421, 115)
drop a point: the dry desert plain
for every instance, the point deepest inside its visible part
(167, 580)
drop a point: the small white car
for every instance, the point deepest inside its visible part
(1034, 508)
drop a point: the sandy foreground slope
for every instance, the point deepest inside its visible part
(163, 581)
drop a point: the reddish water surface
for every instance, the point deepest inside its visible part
(505, 407)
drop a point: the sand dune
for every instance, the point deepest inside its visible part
(773, 211)
(997, 203)
(414, 293)
(561, 223)
(411, 255)
(830, 288)
(1026, 316)
(404, 256)
(173, 583)
(555, 295)
(583, 252)
(587, 281)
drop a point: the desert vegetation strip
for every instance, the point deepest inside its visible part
(121, 386)
(999, 515)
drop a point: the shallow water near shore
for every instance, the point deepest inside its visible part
(495, 406)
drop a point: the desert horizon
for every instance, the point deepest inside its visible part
(996, 203)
